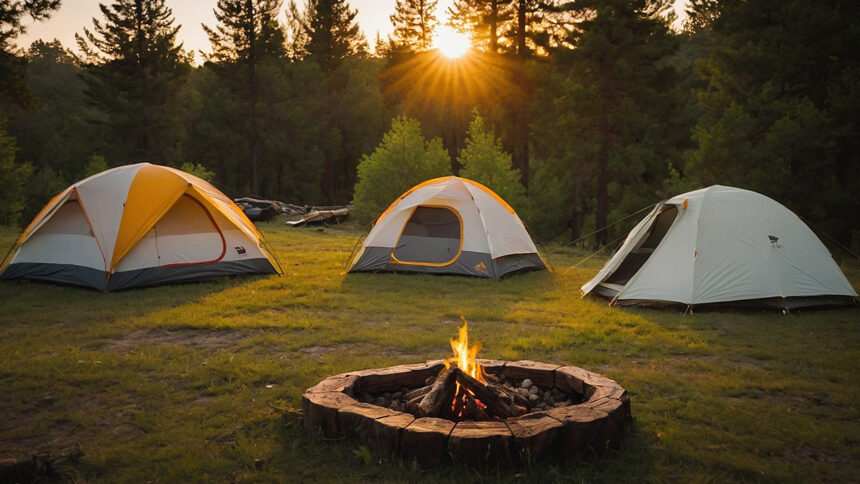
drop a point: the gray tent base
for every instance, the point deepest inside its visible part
(772, 303)
(96, 279)
(378, 259)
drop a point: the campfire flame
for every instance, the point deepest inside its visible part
(465, 357)
(466, 360)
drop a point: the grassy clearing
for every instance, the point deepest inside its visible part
(196, 382)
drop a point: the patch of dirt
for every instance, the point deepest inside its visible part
(195, 338)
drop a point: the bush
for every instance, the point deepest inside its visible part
(403, 159)
(485, 161)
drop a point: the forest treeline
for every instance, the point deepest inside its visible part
(581, 112)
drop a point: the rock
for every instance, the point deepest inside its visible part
(397, 396)
(533, 390)
(533, 398)
(380, 402)
(527, 383)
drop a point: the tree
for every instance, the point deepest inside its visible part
(136, 70)
(12, 12)
(247, 35)
(13, 176)
(414, 23)
(605, 122)
(780, 107)
(485, 161)
(326, 32)
(403, 159)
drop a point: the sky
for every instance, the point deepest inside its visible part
(74, 15)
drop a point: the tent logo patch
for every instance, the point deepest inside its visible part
(240, 250)
(481, 267)
(774, 241)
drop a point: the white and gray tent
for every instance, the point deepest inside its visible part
(449, 225)
(722, 245)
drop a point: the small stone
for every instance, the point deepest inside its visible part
(568, 402)
(394, 406)
(533, 398)
(397, 396)
(367, 397)
(534, 390)
(527, 383)
(547, 395)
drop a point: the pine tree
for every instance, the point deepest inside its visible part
(482, 19)
(326, 32)
(606, 121)
(12, 12)
(780, 108)
(415, 23)
(136, 68)
(246, 36)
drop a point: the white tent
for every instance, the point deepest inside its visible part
(449, 225)
(722, 245)
(138, 225)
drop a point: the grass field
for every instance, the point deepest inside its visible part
(202, 382)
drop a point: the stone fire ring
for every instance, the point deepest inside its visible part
(569, 432)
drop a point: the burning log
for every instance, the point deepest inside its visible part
(440, 395)
(498, 401)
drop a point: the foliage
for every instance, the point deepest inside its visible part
(403, 159)
(414, 23)
(779, 110)
(13, 176)
(606, 111)
(198, 170)
(485, 161)
(136, 70)
(246, 38)
(326, 32)
(12, 12)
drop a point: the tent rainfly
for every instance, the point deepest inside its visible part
(722, 245)
(449, 225)
(138, 225)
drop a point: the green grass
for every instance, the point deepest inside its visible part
(197, 382)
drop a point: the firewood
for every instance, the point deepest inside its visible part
(440, 395)
(419, 392)
(499, 402)
(521, 400)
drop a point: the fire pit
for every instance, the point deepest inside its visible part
(482, 413)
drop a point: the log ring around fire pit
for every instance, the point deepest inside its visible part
(330, 409)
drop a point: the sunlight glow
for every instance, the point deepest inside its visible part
(452, 44)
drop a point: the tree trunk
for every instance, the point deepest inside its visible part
(602, 190)
(494, 26)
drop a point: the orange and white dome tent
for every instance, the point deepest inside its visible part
(138, 225)
(449, 225)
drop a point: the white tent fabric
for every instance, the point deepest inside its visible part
(493, 239)
(725, 245)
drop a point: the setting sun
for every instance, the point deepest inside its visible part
(452, 44)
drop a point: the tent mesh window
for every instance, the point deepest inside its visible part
(637, 257)
(431, 236)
